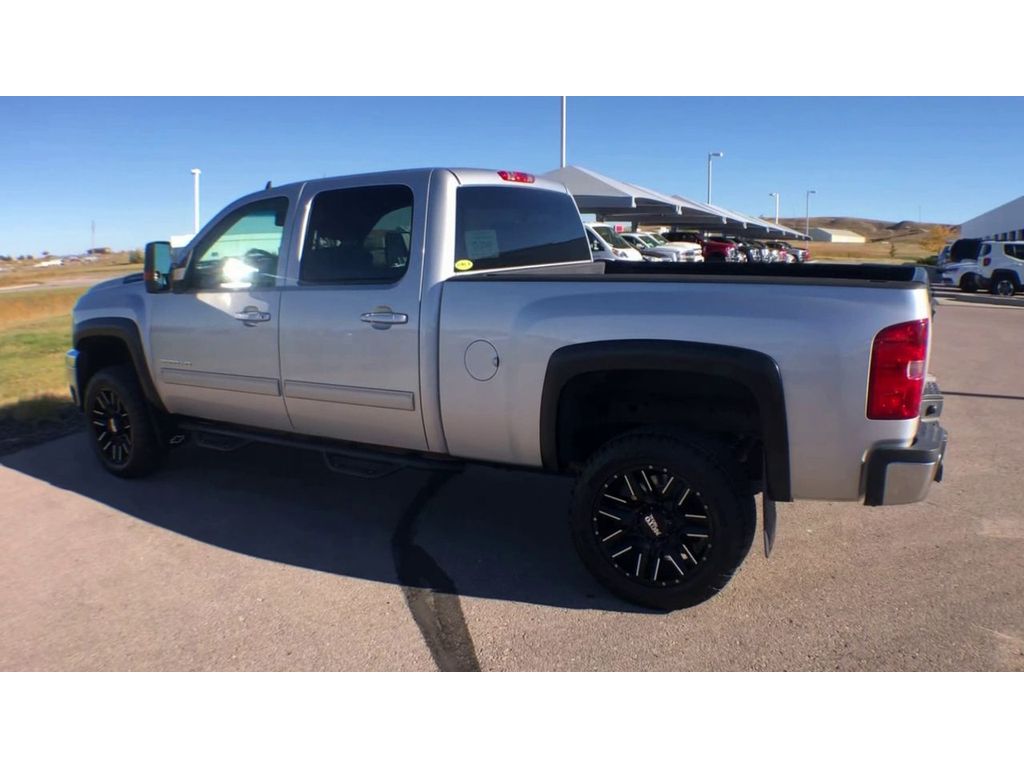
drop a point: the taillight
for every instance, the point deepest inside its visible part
(897, 371)
(986, 261)
(525, 178)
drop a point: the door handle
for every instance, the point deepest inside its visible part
(384, 318)
(251, 315)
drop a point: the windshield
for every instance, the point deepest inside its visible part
(610, 237)
(657, 239)
(650, 239)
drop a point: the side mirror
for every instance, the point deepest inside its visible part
(157, 267)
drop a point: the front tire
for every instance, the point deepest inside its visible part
(120, 425)
(661, 520)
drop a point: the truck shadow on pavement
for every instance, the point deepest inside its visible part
(483, 532)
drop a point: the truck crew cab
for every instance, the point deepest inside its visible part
(443, 315)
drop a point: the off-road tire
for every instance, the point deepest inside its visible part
(120, 425)
(718, 492)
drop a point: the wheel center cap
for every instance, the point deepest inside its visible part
(652, 524)
(112, 425)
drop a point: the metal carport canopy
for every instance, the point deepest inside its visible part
(611, 198)
(729, 222)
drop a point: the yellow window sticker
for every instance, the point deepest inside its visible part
(463, 264)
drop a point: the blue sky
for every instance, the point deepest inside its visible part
(124, 162)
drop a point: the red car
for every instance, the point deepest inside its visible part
(714, 248)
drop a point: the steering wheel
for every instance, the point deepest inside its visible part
(258, 252)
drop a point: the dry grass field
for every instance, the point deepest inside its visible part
(887, 241)
(870, 252)
(35, 331)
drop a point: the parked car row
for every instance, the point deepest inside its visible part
(728, 248)
(993, 265)
(608, 245)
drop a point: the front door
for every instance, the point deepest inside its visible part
(214, 345)
(350, 323)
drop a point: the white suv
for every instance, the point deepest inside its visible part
(1001, 266)
(965, 275)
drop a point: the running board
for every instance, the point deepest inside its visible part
(217, 442)
(352, 459)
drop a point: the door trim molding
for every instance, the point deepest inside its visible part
(367, 396)
(250, 385)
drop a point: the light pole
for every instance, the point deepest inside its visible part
(563, 133)
(711, 155)
(807, 214)
(195, 200)
(776, 196)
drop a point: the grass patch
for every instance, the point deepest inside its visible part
(26, 274)
(882, 253)
(32, 359)
(17, 308)
(35, 332)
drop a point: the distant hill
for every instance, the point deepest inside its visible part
(873, 230)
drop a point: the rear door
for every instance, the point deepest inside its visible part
(351, 313)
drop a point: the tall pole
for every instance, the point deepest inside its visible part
(807, 213)
(195, 200)
(776, 196)
(711, 155)
(709, 179)
(563, 133)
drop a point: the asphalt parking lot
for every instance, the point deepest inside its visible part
(263, 560)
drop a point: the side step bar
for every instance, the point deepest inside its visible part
(351, 459)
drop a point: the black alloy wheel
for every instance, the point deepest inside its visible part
(652, 525)
(111, 426)
(122, 428)
(661, 519)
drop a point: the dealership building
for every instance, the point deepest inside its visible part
(1003, 223)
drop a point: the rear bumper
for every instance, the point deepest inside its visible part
(904, 475)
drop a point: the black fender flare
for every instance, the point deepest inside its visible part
(127, 332)
(756, 371)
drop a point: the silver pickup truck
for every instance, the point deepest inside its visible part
(433, 317)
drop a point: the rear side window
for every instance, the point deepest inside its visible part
(498, 227)
(358, 235)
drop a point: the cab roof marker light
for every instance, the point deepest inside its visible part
(523, 178)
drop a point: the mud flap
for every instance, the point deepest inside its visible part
(768, 522)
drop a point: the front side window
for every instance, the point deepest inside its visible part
(361, 234)
(498, 227)
(242, 251)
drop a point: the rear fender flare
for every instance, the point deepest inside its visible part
(756, 371)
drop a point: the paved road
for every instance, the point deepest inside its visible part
(261, 559)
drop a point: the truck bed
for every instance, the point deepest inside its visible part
(873, 275)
